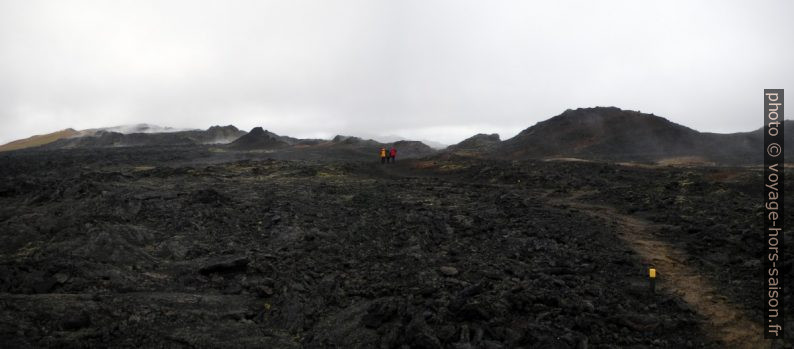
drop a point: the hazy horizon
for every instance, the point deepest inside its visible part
(383, 138)
(425, 70)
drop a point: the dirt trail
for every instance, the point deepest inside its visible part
(727, 323)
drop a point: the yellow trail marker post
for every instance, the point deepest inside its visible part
(652, 278)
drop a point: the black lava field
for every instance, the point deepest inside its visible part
(186, 247)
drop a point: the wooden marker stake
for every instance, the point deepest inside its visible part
(652, 278)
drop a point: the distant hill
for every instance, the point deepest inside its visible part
(230, 138)
(351, 141)
(404, 148)
(105, 139)
(39, 140)
(412, 148)
(351, 148)
(394, 138)
(99, 138)
(215, 135)
(600, 133)
(478, 143)
(259, 138)
(612, 134)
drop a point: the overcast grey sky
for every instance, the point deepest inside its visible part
(423, 69)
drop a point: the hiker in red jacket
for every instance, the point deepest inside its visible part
(393, 154)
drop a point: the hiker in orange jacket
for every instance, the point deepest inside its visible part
(393, 154)
(382, 155)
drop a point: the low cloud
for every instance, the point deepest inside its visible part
(438, 70)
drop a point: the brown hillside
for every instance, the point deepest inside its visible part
(38, 140)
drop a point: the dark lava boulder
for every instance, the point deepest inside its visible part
(225, 264)
(258, 138)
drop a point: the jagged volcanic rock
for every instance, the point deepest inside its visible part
(177, 246)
